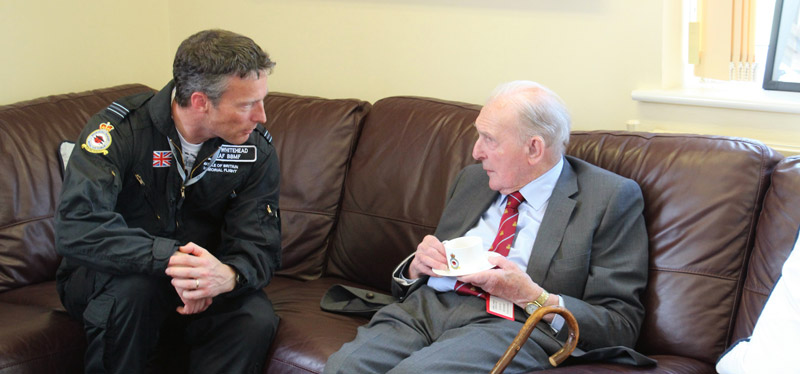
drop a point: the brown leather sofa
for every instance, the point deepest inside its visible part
(363, 183)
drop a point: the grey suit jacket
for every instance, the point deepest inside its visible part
(591, 249)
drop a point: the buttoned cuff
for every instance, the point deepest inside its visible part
(398, 273)
(163, 248)
(558, 320)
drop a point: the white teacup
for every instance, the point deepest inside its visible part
(465, 255)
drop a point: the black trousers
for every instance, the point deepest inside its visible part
(128, 318)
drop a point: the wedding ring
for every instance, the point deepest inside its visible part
(196, 283)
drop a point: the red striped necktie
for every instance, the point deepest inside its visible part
(502, 242)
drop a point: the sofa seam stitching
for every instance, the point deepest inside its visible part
(711, 275)
(27, 220)
(388, 218)
(291, 364)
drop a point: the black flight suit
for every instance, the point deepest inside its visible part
(125, 210)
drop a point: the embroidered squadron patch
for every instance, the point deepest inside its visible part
(99, 140)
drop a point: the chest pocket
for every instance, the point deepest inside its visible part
(270, 222)
(138, 202)
(214, 189)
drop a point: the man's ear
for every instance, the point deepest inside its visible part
(536, 149)
(200, 102)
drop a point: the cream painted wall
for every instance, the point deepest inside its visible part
(593, 53)
(54, 46)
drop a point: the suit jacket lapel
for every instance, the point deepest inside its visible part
(466, 207)
(478, 204)
(554, 224)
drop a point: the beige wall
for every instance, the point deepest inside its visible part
(780, 131)
(450, 49)
(593, 53)
(54, 46)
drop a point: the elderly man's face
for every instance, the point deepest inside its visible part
(499, 148)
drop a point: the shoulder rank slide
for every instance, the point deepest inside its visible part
(117, 110)
(263, 131)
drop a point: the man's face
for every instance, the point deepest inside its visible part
(499, 149)
(240, 108)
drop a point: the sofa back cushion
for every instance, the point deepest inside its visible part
(30, 134)
(775, 237)
(315, 139)
(409, 150)
(702, 197)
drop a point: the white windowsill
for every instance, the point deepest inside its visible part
(716, 97)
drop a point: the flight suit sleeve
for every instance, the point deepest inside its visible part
(88, 230)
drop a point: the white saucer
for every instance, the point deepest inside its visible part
(457, 273)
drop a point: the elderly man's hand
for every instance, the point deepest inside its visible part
(430, 255)
(507, 281)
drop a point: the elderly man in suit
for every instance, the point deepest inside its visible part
(577, 239)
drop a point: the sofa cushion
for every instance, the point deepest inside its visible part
(306, 335)
(702, 197)
(30, 133)
(777, 227)
(409, 150)
(39, 340)
(315, 139)
(40, 294)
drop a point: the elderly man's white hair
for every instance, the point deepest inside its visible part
(543, 113)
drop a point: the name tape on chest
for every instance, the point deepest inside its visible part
(237, 153)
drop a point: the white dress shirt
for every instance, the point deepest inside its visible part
(531, 211)
(537, 194)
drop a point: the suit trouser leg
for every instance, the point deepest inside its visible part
(473, 348)
(434, 332)
(122, 316)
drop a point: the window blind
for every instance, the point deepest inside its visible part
(722, 40)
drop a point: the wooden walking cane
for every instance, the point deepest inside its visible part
(527, 329)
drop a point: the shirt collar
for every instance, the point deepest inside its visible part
(538, 191)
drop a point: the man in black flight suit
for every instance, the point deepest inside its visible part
(168, 221)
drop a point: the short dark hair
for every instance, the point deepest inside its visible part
(205, 61)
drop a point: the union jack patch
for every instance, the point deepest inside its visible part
(162, 159)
